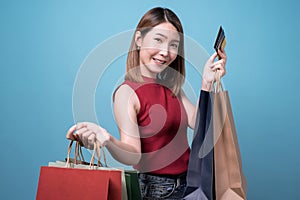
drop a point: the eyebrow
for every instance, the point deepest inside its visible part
(162, 35)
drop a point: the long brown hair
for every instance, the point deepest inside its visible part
(174, 75)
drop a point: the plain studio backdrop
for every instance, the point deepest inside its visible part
(44, 43)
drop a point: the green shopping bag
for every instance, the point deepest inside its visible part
(132, 185)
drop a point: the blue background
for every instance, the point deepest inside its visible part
(43, 44)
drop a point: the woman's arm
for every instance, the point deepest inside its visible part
(126, 108)
(127, 150)
(190, 109)
(208, 78)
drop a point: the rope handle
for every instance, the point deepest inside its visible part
(97, 149)
(69, 152)
(79, 155)
(218, 87)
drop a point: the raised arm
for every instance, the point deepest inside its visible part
(208, 78)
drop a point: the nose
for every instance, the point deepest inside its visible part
(164, 51)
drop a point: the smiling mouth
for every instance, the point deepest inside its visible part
(159, 61)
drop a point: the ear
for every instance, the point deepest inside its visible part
(138, 38)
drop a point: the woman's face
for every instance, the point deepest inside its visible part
(158, 48)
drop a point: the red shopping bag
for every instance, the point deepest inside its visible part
(70, 183)
(78, 182)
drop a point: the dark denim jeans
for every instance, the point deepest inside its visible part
(154, 187)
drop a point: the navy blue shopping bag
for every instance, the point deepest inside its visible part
(200, 175)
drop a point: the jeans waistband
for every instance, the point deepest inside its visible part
(177, 179)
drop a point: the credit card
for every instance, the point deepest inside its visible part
(220, 42)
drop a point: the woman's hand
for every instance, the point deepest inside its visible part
(87, 133)
(211, 67)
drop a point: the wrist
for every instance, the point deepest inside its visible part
(109, 138)
(206, 85)
(104, 137)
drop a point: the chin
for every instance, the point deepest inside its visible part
(157, 71)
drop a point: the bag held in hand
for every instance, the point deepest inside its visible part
(230, 182)
(70, 181)
(200, 175)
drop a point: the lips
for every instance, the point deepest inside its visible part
(159, 61)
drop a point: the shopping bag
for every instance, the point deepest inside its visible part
(111, 178)
(230, 182)
(200, 169)
(66, 180)
(132, 185)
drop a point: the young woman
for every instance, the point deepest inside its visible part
(151, 110)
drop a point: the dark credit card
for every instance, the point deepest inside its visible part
(220, 42)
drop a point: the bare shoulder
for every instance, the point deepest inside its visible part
(125, 95)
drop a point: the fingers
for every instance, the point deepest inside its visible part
(87, 133)
(88, 139)
(220, 69)
(70, 133)
(82, 130)
(222, 72)
(213, 57)
(74, 133)
(82, 134)
(222, 54)
(103, 138)
(220, 64)
(81, 125)
(91, 141)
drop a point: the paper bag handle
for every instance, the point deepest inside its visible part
(100, 147)
(97, 148)
(218, 87)
(78, 154)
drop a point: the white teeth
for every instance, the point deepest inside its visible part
(160, 61)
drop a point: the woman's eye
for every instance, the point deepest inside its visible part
(158, 39)
(175, 46)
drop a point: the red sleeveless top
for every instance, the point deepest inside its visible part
(163, 124)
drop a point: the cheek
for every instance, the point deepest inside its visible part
(148, 52)
(173, 56)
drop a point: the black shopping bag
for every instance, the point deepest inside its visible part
(200, 175)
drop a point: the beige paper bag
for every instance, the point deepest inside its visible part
(230, 182)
